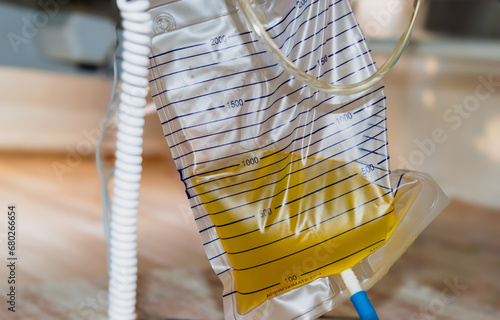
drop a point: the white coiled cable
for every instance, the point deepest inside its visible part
(128, 166)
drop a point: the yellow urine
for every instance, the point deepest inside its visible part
(286, 221)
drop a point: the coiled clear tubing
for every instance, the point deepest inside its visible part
(128, 166)
(248, 7)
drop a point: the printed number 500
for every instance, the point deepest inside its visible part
(265, 212)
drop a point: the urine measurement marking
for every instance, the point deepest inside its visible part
(318, 32)
(329, 39)
(199, 55)
(218, 40)
(213, 39)
(352, 254)
(188, 47)
(211, 65)
(316, 244)
(237, 35)
(328, 136)
(301, 3)
(276, 182)
(304, 211)
(302, 24)
(296, 171)
(260, 123)
(321, 45)
(338, 142)
(235, 103)
(255, 53)
(294, 253)
(321, 161)
(229, 143)
(343, 258)
(294, 19)
(283, 138)
(311, 208)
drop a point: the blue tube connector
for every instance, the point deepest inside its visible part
(363, 306)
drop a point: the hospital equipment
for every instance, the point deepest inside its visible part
(275, 116)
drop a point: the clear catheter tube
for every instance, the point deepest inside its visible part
(134, 88)
(247, 8)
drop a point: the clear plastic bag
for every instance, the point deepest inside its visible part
(289, 186)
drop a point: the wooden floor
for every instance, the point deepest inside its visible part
(62, 252)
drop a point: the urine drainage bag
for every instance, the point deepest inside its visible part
(289, 186)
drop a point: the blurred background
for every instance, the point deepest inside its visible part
(56, 70)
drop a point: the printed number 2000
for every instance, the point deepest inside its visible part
(301, 3)
(218, 40)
